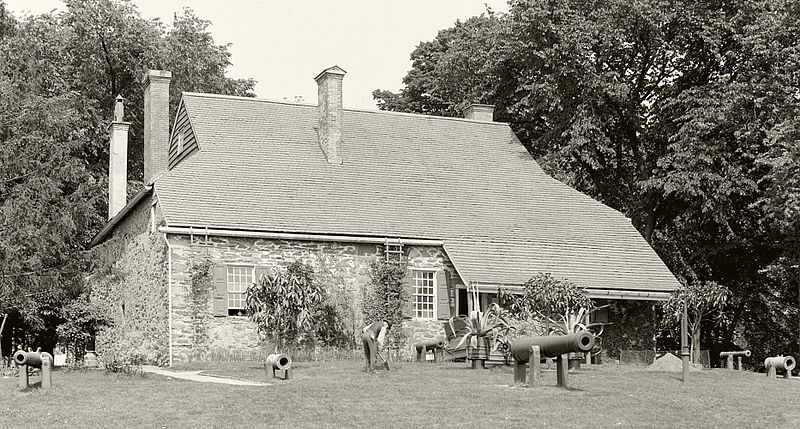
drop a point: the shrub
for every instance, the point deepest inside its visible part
(286, 306)
(559, 303)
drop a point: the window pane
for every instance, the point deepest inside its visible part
(424, 294)
(239, 279)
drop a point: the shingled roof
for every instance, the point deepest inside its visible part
(469, 184)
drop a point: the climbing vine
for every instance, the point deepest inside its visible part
(200, 287)
(385, 297)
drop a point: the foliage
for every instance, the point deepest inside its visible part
(681, 115)
(342, 312)
(631, 329)
(131, 351)
(481, 324)
(82, 319)
(385, 297)
(559, 303)
(703, 300)
(59, 75)
(286, 306)
(200, 287)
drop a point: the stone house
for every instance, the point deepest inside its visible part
(251, 185)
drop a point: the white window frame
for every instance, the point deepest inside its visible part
(414, 294)
(228, 291)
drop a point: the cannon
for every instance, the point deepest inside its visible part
(728, 356)
(532, 349)
(784, 363)
(39, 360)
(435, 346)
(279, 362)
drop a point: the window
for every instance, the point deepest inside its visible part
(424, 298)
(180, 142)
(239, 278)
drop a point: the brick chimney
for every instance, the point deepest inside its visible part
(480, 112)
(156, 124)
(118, 159)
(329, 93)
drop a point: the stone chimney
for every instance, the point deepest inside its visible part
(480, 112)
(156, 124)
(329, 93)
(118, 159)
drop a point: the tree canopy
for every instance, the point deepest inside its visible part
(682, 115)
(59, 75)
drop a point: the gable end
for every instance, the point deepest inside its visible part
(182, 130)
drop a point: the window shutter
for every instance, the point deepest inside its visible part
(442, 298)
(220, 274)
(408, 286)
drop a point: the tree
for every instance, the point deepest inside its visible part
(286, 306)
(559, 303)
(48, 197)
(681, 115)
(82, 319)
(111, 45)
(59, 75)
(703, 300)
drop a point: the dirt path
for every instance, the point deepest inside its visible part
(195, 376)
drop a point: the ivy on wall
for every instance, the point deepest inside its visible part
(385, 297)
(200, 289)
(129, 284)
(633, 327)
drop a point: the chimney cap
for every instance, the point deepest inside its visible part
(119, 108)
(156, 74)
(336, 70)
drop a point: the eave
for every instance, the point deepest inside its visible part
(100, 236)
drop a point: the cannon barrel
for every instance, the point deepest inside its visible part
(552, 346)
(279, 361)
(429, 345)
(745, 353)
(32, 359)
(785, 363)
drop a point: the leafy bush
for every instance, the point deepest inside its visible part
(82, 319)
(286, 306)
(133, 349)
(559, 303)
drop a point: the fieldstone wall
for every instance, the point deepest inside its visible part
(132, 293)
(342, 268)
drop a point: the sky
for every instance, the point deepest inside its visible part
(285, 44)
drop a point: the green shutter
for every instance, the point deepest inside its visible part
(408, 286)
(220, 273)
(442, 296)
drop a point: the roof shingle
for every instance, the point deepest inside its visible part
(468, 183)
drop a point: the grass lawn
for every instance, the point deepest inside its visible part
(340, 394)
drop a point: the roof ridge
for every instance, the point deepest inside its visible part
(348, 109)
(240, 98)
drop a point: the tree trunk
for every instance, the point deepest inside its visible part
(696, 343)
